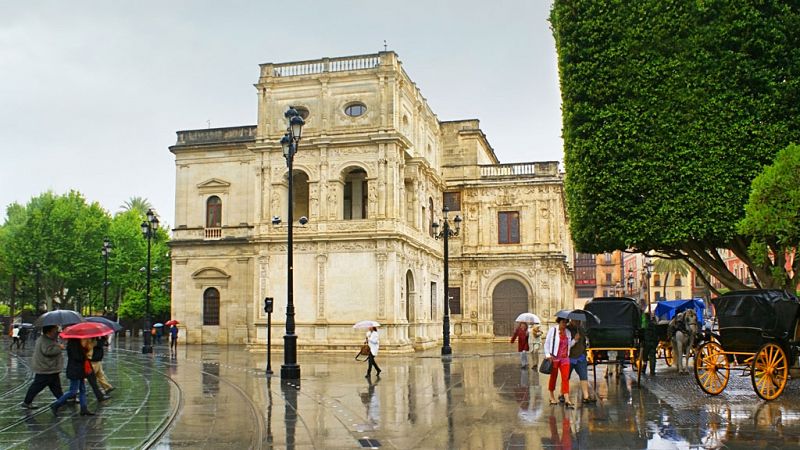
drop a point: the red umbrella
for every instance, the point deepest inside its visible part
(85, 330)
(171, 322)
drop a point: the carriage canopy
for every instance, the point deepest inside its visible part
(745, 317)
(667, 309)
(619, 321)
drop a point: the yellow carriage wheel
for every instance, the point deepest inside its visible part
(770, 371)
(711, 368)
(669, 357)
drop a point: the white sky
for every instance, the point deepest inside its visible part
(92, 93)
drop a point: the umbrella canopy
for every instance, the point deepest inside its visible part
(563, 314)
(366, 324)
(23, 325)
(528, 317)
(584, 316)
(85, 330)
(109, 323)
(58, 317)
(158, 325)
(171, 322)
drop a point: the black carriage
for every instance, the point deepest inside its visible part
(618, 330)
(758, 333)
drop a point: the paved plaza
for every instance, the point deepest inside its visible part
(218, 397)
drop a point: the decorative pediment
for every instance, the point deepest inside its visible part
(210, 273)
(213, 185)
(210, 276)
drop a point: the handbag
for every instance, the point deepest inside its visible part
(364, 351)
(547, 364)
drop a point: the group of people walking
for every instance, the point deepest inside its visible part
(565, 348)
(84, 362)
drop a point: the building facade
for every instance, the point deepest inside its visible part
(372, 173)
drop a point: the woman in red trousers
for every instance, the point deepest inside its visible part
(556, 347)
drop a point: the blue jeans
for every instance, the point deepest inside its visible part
(581, 366)
(76, 387)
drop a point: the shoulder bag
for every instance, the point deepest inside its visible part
(546, 365)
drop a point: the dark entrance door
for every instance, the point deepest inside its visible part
(509, 299)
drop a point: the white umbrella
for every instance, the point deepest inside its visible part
(528, 317)
(366, 324)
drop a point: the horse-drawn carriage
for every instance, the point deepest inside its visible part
(617, 330)
(759, 334)
(668, 318)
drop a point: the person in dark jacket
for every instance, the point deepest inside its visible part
(46, 363)
(97, 364)
(77, 370)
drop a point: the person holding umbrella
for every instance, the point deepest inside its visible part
(77, 370)
(372, 341)
(173, 335)
(556, 348)
(521, 336)
(46, 363)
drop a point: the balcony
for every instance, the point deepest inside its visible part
(518, 170)
(213, 234)
(325, 65)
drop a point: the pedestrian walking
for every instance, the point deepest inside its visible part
(374, 343)
(97, 365)
(650, 345)
(521, 337)
(14, 337)
(577, 358)
(535, 343)
(173, 339)
(78, 367)
(91, 377)
(556, 347)
(23, 336)
(46, 363)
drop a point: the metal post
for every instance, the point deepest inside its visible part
(147, 347)
(268, 309)
(105, 279)
(446, 350)
(290, 370)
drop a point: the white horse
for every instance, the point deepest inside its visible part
(685, 329)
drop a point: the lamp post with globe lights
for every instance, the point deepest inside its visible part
(446, 233)
(149, 228)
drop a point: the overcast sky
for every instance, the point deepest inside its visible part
(92, 93)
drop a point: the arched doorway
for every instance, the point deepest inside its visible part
(509, 299)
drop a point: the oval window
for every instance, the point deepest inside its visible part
(303, 111)
(355, 110)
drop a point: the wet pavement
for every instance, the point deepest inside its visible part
(218, 397)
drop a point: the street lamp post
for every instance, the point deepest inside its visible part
(631, 279)
(105, 251)
(149, 228)
(290, 370)
(445, 234)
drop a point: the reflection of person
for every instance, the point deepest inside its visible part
(46, 363)
(521, 336)
(76, 372)
(565, 441)
(556, 348)
(535, 343)
(173, 339)
(372, 403)
(372, 341)
(577, 358)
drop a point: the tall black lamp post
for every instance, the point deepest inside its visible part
(445, 234)
(631, 279)
(106, 250)
(149, 228)
(290, 370)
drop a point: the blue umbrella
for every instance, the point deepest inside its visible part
(110, 323)
(158, 325)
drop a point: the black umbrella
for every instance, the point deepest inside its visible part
(582, 315)
(110, 323)
(58, 317)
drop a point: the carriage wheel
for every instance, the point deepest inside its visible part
(711, 368)
(770, 371)
(669, 357)
(641, 364)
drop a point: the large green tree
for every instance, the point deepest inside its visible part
(772, 217)
(670, 109)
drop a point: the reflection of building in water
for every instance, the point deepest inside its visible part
(210, 378)
(373, 171)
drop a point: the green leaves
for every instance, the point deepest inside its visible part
(670, 109)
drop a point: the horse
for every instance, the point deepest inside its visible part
(683, 328)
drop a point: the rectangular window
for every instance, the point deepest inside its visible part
(658, 295)
(452, 201)
(508, 227)
(608, 278)
(454, 295)
(678, 295)
(585, 293)
(678, 280)
(348, 201)
(433, 299)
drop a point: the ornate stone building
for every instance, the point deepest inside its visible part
(372, 172)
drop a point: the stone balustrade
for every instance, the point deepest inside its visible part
(217, 135)
(362, 62)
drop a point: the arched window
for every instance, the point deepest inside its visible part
(678, 280)
(213, 212)
(299, 194)
(355, 194)
(656, 279)
(211, 307)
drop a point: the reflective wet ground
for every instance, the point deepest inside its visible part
(218, 397)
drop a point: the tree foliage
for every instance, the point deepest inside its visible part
(670, 109)
(772, 216)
